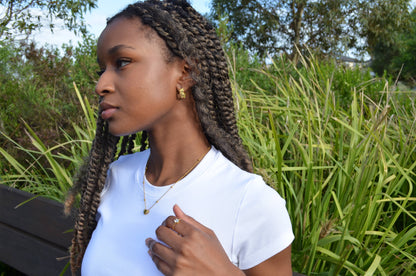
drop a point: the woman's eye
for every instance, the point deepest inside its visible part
(122, 62)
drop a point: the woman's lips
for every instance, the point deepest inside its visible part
(106, 114)
(107, 110)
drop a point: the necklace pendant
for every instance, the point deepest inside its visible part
(145, 211)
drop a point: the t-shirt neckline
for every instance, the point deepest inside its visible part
(156, 191)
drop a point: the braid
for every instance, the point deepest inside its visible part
(143, 141)
(131, 143)
(224, 133)
(91, 183)
(127, 145)
(123, 147)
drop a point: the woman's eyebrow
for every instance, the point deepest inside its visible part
(116, 48)
(113, 50)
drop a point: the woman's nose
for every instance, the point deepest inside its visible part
(105, 84)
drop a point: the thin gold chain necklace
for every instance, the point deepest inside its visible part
(146, 210)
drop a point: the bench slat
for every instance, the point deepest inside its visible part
(41, 217)
(33, 235)
(30, 255)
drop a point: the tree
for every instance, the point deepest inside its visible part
(25, 16)
(330, 27)
(405, 62)
(398, 58)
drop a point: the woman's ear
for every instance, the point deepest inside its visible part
(185, 80)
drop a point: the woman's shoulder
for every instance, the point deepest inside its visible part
(251, 187)
(227, 169)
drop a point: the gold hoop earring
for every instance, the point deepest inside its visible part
(181, 94)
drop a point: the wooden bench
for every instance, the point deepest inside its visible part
(34, 236)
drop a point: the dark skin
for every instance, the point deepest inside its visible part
(139, 89)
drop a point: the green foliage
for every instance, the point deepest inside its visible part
(331, 27)
(345, 81)
(251, 73)
(247, 67)
(406, 59)
(398, 58)
(48, 170)
(36, 88)
(377, 23)
(347, 174)
(84, 67)
(22, 17)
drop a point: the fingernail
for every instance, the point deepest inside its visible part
(147, 241)
(150, 253)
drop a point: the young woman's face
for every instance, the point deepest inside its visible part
(137, 84)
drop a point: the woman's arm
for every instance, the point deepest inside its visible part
(277, 265)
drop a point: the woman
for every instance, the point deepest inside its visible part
(189, 204)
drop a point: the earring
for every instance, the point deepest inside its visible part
(181, 94)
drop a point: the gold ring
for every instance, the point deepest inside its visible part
(175, 221)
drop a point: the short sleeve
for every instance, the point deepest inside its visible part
(263, 226)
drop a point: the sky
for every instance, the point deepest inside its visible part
(96, 21)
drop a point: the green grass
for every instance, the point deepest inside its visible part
(348, 175)
(48, 170)
(346, 169)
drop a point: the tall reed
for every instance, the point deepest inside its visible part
(347, 175)
(49, 169)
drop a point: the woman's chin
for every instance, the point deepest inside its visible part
(119, 132)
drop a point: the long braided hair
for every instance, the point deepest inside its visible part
(190, 37)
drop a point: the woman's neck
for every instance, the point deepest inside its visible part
(174, 153)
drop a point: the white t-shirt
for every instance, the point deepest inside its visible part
(249, 218)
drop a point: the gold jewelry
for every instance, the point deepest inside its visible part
(146, 211)
(181, 94)
(175, 221)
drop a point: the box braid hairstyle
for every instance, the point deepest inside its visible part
(190, 37)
